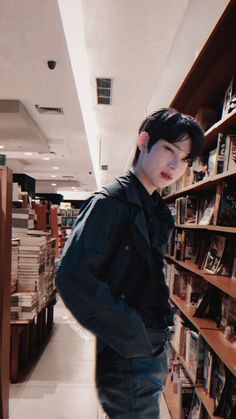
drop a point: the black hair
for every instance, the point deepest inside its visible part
(172, 126)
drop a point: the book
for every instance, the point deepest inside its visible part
(208, 212)
(227, 206)
(233, 274)
(212, 163)
(191, 243)
(191, 209)
(214, 254)
(218, 388)
(223, 144)
(232, 153)
(227, 99)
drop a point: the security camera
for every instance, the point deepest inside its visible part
(52, 64)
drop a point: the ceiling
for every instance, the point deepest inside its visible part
(145, 47)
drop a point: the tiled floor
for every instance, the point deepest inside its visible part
(61, 384)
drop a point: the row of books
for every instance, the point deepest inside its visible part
(223, 157)
(218, 208)
(188, 286)
(214, 254)
(69, 212)
(205, 369)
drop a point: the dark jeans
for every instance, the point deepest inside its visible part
(131, 388)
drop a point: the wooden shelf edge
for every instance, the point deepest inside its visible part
(219, 126)
(223, 229)
(171, 398)
(207, 401)
(211, 181)
(224, 283)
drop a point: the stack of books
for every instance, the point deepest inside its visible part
(14, 264)
(24, 305)
(32, 265)
(50, 267)
(22, 220)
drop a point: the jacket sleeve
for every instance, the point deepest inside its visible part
(89, 298)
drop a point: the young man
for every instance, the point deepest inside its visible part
(111, 272)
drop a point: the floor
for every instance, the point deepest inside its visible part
(61, 384)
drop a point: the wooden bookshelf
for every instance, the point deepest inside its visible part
(204, 87)
(203, 185)
(5, 286)
(224, 283)
(222, 229)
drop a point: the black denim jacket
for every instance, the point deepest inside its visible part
(110, 234)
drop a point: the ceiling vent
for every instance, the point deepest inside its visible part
(104, 167)
(104, 91)
(48, 110)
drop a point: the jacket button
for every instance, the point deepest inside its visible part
(127, 247)
(122, 296)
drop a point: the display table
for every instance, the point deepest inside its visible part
(27, 337)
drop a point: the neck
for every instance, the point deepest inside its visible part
(143, 179)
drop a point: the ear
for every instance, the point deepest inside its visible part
(143, 140)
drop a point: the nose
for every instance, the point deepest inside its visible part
(174, 162)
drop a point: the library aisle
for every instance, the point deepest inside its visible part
(61, 384)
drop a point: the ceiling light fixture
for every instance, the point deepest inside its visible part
(55, 167)
(1, 146)
(53, 184)
(53, 175)
(28, 153)
(46, 158)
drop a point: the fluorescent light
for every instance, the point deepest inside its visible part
(28, 153)
(1, 146)
(46, 158)
(55, 167)
(53, 184)
(53, 175)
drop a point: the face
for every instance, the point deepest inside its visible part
(163, 164)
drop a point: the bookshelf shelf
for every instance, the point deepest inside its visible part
(207, 401)
(223, 126)
(224, 283)
(189, 312)
(204, 184)
(224, 349)
(223, 229)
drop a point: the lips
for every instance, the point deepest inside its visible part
(166, 176)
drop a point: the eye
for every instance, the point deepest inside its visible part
(187, 160)
(169, 148)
